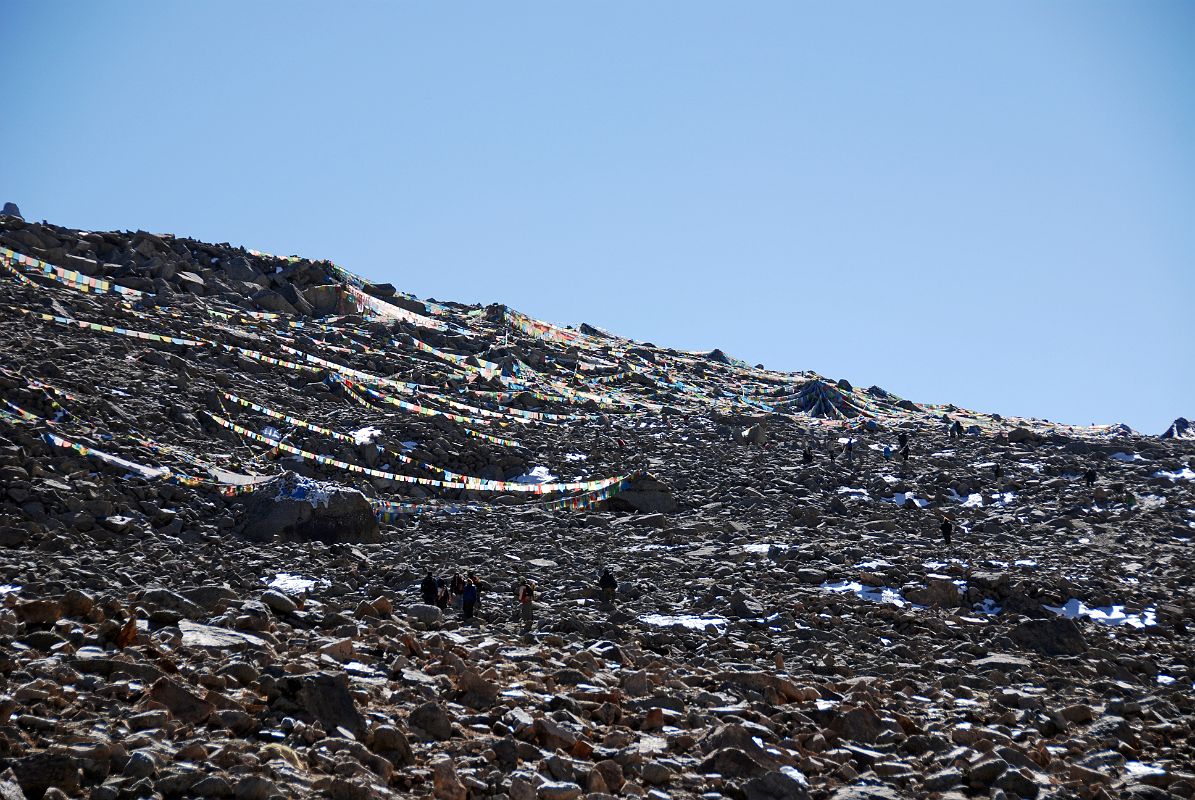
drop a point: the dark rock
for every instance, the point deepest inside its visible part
(325, 696)
(294, 507)
(184, 705)
(777, 786)
(644, 494)
(1052, 637)
(432, 719)
(1179, 429)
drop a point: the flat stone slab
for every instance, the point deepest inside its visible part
(211, 637)
(1002, 662)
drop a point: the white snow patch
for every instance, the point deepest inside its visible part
(988, 606)
(1126, 457)
(796, 775)
(1140, 769)
(538, 474)
(684, 620)
(575, 456)
(1184, 474)
(1109, 615)
(366, 435)
(1002, 499)
(900, 498)
(290, 583)
(317, 493)
(881, 594)
(764, 547)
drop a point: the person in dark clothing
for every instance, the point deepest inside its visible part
(956, 430)
(808, 454)
(429, 590)
(904, 454)
(849, 449)
(1090, 477)
(609, 585)
(470, 595)
(947, 529)
(902, 439)
(457, 586)
(527, 603)
(443, 595)
(997, 471)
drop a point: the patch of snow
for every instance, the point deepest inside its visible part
(271, 432)
(1140, 769)
(1165, 680)
(988, 606)
(882, 594)
(900, 498)
(1128, 458)
(796, 775)
(764, 547)
(1109, 615)
(684, 621)
(575, 456)
(537, 475)
(1002, 499)
(1184, 474)
(9, 588)
(366, 435)
(289, 583)
(317, 493)
(861, 494)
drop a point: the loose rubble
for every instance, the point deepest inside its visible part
(192, 610)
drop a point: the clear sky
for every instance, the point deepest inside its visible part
(991, 204)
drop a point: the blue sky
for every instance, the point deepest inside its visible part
(989, 204)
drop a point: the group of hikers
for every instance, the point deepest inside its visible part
(465, 591)
(461, 590)
(848, 449)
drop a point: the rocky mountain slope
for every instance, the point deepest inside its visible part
(223, 475)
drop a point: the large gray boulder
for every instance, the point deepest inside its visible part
(328, 299)
(1051, 637)
(297, 508)
(644, 494)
